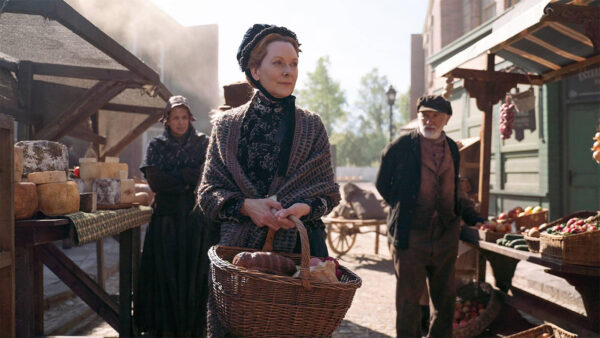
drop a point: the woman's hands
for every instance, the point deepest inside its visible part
(259, 211)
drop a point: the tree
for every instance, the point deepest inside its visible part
(372, 102)
(323, 95)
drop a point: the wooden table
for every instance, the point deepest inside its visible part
(504, 260)
(35, 248)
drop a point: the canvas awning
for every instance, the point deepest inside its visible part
(66, 71)
(550, 39)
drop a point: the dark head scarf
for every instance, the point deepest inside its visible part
(175, 101)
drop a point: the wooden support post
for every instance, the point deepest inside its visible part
(125, 283)
(25, 83)
(136, 248)
(80, 282)
(7, 228)
(100, 262)
(29, 292)
(486, 146)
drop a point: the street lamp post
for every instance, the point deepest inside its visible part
(391, 99)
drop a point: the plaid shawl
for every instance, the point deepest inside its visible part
(309, 174)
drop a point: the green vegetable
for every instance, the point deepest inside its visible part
(518, 241)
(522, 247)
(511, 237)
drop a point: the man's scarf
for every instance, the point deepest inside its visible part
(309, 174)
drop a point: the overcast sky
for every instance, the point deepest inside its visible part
(357, 35)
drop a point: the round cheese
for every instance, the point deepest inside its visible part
(108, 190)
(57, 199)
(43, 177)
(26, 200)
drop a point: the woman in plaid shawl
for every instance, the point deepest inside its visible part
(168, 299)
(269, 147)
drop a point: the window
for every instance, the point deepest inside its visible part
(488, 10)
(510, 3)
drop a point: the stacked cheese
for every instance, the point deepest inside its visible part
(44, 163)
(108, 179)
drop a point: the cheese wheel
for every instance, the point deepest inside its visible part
(43, 177)
(127, 191)
(18, 174)
(43, 155)
(108, 190)
(26, 200)
(109, 170)
(57, 199)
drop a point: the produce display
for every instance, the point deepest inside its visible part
(466, 311)
(573, 226)
(596, 147)
(507, 117)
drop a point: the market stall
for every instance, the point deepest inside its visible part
(63, 79)
(547, 42)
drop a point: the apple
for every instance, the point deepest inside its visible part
(537, 209)
(500, 227)
(502, 216)
(518, 210)
(528, 210)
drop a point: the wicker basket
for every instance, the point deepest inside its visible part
(536, 332)
(492, 309)
(255, 304)
(582, 249)
(531, 220)
(533, 243)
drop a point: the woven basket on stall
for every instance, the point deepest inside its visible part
(255, 304)
(582, 249)
(533, 243)
(536, 332)
(492, 309)
(531, 220)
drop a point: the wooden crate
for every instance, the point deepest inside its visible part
(536, 332)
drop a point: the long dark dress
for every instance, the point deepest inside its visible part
(168, 299)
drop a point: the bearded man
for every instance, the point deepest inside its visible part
(418, 178)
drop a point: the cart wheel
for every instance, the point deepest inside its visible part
(340, 238)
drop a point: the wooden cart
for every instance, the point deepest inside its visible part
(341, 232)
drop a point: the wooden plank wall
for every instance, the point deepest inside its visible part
(7, 226)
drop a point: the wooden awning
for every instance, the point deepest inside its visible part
(546, 41)
(56, 53)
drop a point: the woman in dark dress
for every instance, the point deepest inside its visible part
(167, 301)
(268, 147)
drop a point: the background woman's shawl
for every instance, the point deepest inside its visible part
(309, 174)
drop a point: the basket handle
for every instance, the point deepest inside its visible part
(305, 246)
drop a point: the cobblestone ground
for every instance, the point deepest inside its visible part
(371, 314)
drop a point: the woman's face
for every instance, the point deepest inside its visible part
(278, 70)
(179, 121)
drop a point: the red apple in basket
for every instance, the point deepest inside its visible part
(502, 216)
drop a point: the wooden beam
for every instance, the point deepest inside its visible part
(571, 69)
(8, 62)
(7, 228)
(79, 281)
(117, 148)
(71, 19)
(25, 83)
(93, 73)
(486, 142)
(485, 76)
(553, 48)
(532, 57)
(573, 34)
(87, 135)
(126, 108)
(81, 109)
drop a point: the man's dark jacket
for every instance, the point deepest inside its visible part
(399, 180)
